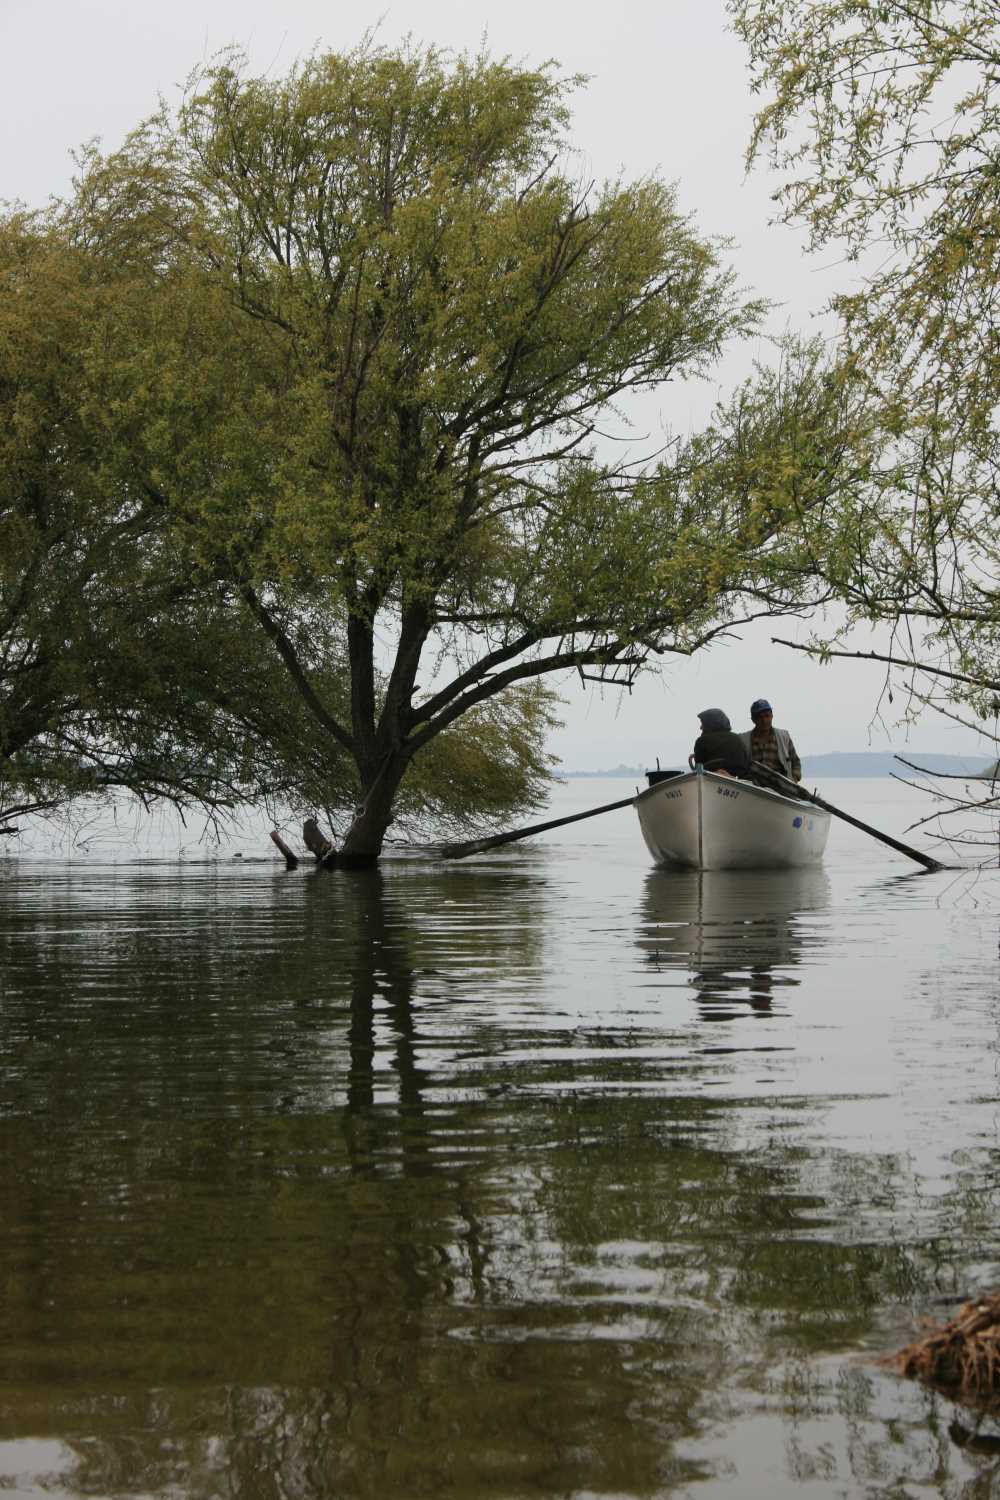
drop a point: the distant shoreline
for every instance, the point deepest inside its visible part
(866, 763)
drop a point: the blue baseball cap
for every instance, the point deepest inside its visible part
(760, 706)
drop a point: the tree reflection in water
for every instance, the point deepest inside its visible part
(297, 1205)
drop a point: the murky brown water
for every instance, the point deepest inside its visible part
(545, 1174)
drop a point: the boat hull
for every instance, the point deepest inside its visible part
(708, 822)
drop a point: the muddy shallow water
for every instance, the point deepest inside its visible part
(543, 1174)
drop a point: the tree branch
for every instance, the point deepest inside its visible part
(892, 661)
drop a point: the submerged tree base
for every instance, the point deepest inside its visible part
(329, 856)
(318, 844)
(962, 1358)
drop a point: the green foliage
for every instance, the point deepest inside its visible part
(63, 549)
(435, 295)
(119, 667)
(491, 761)
(884, 122)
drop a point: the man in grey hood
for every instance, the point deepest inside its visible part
(717, 748)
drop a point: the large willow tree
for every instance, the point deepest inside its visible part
(389, 333)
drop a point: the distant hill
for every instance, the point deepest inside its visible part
(632, 772)
(884, 763)
(843, 763)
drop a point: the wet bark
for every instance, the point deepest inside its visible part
(379, 739)
(318, 844)
(291, 859)
(364, 839)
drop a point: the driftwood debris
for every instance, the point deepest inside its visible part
(291, 858)
(318, 844)
(962, 1359)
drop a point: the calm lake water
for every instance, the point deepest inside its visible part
(546, 1173)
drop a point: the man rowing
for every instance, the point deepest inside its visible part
(768, 746)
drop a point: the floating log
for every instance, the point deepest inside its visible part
(291, 859)
(318, 844)
(962, 1358)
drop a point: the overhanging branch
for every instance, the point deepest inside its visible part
(892, 661)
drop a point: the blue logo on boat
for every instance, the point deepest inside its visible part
(796, 822)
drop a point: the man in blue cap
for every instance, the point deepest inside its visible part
(769, 746)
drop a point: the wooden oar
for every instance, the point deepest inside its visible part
(768, 773)
(478, 846)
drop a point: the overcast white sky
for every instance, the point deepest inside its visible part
(667, 93)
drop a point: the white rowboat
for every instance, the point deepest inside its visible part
(710, 822)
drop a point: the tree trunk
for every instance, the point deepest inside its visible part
(379, 741)
(363, 841)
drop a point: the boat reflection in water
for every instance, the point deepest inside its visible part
(740, 934)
